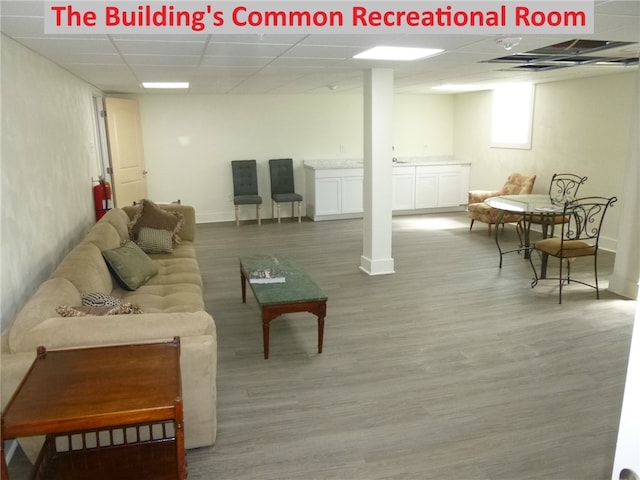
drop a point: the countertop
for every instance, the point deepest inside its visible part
(337, 163)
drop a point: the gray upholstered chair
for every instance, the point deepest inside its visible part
(282, 186)
(580, 237)
(245, 186)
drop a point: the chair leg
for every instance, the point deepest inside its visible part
(273, 210)
(471, 225)
(293, 213)
(258, 214)
(595, 272)
(490, 228)
(278, 212)
(560, 281)
(299, 212)
(237, 216)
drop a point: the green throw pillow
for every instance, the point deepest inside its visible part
(130, 265)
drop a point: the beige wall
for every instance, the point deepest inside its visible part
(579, 126)
(190, 140)
(45, 178)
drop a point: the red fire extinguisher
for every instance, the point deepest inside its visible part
(101, 198)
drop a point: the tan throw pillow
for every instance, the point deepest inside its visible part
(84, 310)
(152, 216)
(155, 240)
(130, 265)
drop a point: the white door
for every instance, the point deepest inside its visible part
(126, 153)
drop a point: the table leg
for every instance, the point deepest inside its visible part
(243, 285)
(322, 312)
(497, 228)
(265, 335)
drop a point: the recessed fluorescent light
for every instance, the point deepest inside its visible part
(165, 84)
(452, 87)
(397, 53)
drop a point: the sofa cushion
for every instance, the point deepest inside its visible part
(174, 298)
(155, 240)
(41, 305)
(85, 268)
(152, 216)
(130, 265)
(119, 219)
(84, 310)
(104, 236)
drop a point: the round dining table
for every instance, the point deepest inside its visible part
(530, 206)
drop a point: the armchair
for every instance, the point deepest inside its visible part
(516, 184)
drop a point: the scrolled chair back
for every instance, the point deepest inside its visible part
(585, 217)
(564, 186)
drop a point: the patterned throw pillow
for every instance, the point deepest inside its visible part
(99, 300)
(84, 310)
(152, 216)
(155, 240)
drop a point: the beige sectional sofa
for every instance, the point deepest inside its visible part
(172, 303)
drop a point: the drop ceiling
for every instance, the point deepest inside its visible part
(315, 63)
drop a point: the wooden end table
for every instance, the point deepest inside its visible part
(298, 293)
(107, 412)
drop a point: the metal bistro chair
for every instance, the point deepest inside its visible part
(245, 186)
(282, 186)
(580, 237)
(562, 188)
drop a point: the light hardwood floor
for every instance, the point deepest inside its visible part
(449, 368)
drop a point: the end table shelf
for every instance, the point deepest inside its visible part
(107, 412)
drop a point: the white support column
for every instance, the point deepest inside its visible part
(624, 281)
(626, 270)
(378, 138)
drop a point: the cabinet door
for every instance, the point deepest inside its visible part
(327, 196)
(352, 191)
(403, 191)
(449, 185)
(426, 190)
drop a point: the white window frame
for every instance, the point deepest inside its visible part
(512, 116)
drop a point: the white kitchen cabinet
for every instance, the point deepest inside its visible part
(404, 179)
(334, 193)
(441, 186)
(334, 189)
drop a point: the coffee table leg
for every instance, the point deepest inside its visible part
(265, 335)
(243, 282)
(322, 312)
(320, 333)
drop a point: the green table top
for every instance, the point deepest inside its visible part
(297, 288)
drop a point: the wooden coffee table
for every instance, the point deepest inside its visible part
(107, 412)
(298, 293)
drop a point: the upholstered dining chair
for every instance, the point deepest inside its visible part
(282, 186)
(245, 186)
(516, 184)
(580, 237)
(562, 188)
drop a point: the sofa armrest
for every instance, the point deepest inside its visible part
(479, 196)
(90, 330)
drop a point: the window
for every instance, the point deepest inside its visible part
(512, 116)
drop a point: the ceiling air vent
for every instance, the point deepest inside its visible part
(574, 53)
